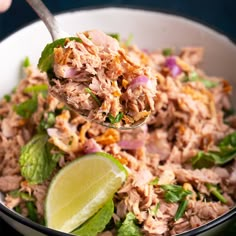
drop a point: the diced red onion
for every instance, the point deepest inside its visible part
(131, 144)
(140, 81)
(173, 67)
(69, 72)
(91, 146)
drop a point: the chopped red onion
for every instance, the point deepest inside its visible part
(172, 65)
(131, 144)
(140, 81)
(91, 146)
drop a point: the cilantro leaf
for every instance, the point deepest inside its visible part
(46, 60)
(116, 119)
(195, 77)
(32, 212)
(97, 222)
(27, 108)
(115, 36)
(36, 160)
(226, 153)
(129, 226)
(174, 193)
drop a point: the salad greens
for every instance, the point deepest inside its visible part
(226, 153)
(174, 193)
(97, 222)
(46, 60)
(36, 160)
(193, 76)
(27, 108)
(116, 119)
(129, 226)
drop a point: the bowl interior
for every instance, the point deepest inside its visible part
(151, 30)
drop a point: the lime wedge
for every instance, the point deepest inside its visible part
(81, 188)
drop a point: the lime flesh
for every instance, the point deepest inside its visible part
(80, 189)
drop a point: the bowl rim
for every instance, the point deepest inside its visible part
(44, 229)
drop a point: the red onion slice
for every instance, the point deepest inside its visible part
(140, 81)
(173, 67)
(91, 146)
(131, 144)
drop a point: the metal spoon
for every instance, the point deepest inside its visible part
(56, 33)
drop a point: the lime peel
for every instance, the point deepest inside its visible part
(81, 188)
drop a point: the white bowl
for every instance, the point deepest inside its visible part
(151, 30)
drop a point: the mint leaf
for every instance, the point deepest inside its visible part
(36, 161)
(96, 223)
(46, 60)
(174, 193)
(226, 153)
(129, 226)
(7, 97)
(27, 108)
(167, 52)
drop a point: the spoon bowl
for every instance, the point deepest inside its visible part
(57, 33)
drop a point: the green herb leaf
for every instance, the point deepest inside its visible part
(98, 222)
(116, 119)
(46, 60)
(154, 181)
(129, 226)
(155, 209)
(47, 122)
(167, 52)
(181, 209)
(26, 62)
(226, 153)
(115, 36)
(7, 97)
(39, 88)
(195, 77)
(129, 40)
(174, 193)
(32, 212)
(25, 196)
(95, 98)
(214, 191)
(36, 161)
(27, 108)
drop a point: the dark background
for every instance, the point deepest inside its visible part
(218, 14)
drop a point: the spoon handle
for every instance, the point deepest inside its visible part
(49, 20)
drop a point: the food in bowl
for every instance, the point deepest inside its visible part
(94, 76)
(180, 164)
